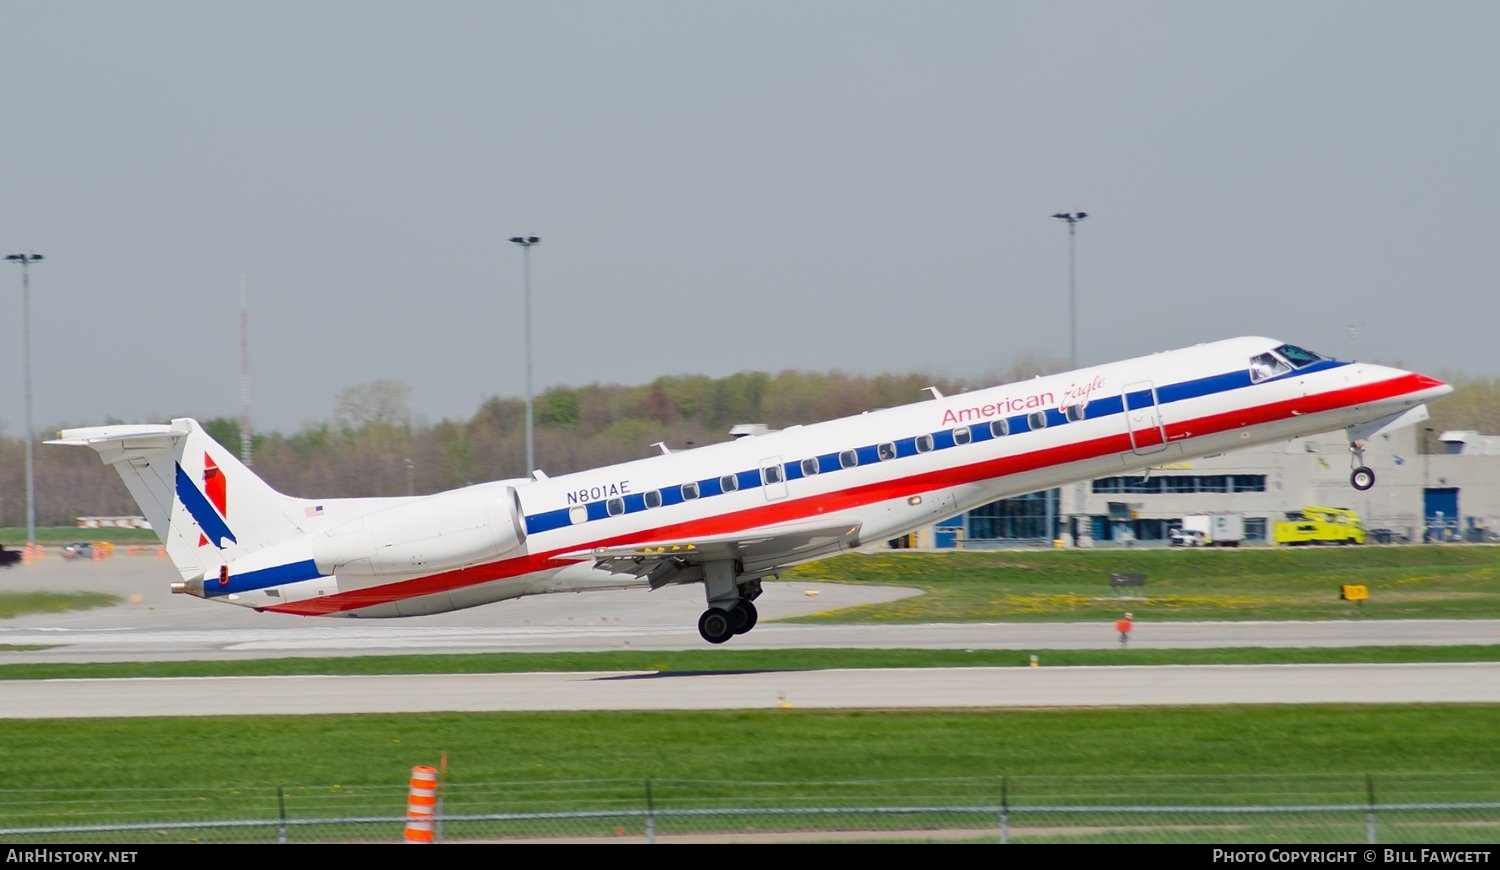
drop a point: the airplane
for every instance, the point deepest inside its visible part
(731, 514)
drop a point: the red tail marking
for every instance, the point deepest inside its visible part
(216, 487)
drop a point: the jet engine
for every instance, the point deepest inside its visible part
(436, 533)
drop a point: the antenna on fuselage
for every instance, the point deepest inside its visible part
(743, 430)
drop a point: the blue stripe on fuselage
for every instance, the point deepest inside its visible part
(1104, 406)
(251, 581)
(208, 519)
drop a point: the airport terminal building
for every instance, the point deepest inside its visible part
(1452, 494)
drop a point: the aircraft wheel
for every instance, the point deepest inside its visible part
(1362, 478)
(744, 616)
(716, 625)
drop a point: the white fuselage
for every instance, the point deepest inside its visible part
(883, 472)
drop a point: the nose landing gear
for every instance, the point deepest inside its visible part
(1362, 477)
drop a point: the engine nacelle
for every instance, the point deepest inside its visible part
(438, 533)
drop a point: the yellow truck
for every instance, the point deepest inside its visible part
(1319, 525)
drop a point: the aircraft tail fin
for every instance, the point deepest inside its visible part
(205, 505)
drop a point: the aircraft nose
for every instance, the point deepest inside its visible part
(1425, 388)
(1433, 386)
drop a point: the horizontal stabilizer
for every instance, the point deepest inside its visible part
(207, 508)
(138, 436)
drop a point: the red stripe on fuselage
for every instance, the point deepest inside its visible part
(859, 496)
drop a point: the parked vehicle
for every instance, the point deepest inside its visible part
(8, 557)
(1212, 529)
(1181, 537)
(1319, 525)
(87, 549)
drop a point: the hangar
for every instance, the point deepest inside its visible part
(1430, 486)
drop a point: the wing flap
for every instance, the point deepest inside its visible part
(759, 551)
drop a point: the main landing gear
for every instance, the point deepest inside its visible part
(1362, 477)
(718, 625)
(730, 611)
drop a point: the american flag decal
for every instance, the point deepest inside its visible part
(315, 511)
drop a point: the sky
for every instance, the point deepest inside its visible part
(863, 186)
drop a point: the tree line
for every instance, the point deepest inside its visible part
(373, 446)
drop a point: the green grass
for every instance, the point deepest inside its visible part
(731, 661)
(13, 604)
(231, 767)
(13, 537)
(811, 745)
(211, 765)
(1438, 581)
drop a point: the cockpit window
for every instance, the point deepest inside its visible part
(1266, 366)
(1298, 357)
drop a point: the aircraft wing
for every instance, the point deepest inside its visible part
(759, 551)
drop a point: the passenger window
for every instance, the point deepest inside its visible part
(690, 491)
(924, 443)
(1000, 428)
(1073, 413)
(771, 474)
(615, 506)
(848, 459)
(1037, 420)
(887, 451)
(962, 435)
(729, 483)
(653, 498)
(577, 514)
(810, 467)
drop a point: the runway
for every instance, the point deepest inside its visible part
(154, 625)
(141, 640)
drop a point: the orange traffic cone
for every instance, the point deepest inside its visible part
(421, 805)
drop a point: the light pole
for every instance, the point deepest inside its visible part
(410, 466)
(1072, 218)
(25, 261)
(526, 242)
(1426, 481)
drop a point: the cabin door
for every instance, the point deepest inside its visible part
(1148, 433)
(773, 478)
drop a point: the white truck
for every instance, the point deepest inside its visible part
(1212, 529)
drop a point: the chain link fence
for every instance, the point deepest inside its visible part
(1280, 810)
